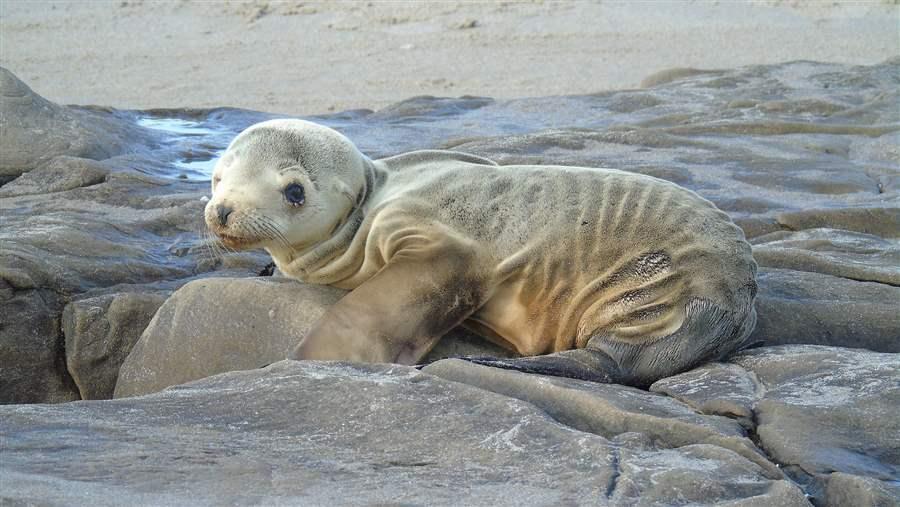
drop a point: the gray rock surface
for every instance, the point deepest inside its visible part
(87, 212)
(100, 332)
(195, 334)
(716, 389)
(827, 409)
(813, 308)
(126, 230)
(829, 416)
(844, 254)
(31, 365)
(315, 433)
(62, 131)
(57, 175)
(846, 489)
(609, 409)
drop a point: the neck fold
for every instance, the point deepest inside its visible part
(309, 262)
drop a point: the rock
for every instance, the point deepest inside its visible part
(79, 240)
(827, 409)
(58, 175)
(715, 389)
(846, 489)
(61, 130)
(812, 308)
(32, 367)
(195, 333)
(845, 254)
(100, 333)
(73, 224)
(829, 416)
(217, 325)
(316, 433)
(460, 342)
(608, 409)
(883, 222)
(669, 75)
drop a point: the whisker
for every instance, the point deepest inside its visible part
(271, 232)
(262, 227)
(205, 246)
(214, 246)
(270, 226)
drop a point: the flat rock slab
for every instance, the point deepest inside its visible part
(320, 433)
(803, 307)
(610, 409)
(829, 416)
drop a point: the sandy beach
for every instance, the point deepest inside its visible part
(311, 57)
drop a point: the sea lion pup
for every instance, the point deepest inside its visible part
(601, 274)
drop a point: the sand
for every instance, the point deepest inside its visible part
(310, 57)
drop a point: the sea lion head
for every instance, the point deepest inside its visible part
(284, 185)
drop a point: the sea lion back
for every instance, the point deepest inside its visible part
(579, 256)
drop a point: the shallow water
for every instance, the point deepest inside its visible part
(196, 145)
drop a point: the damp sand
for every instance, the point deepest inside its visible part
(308, 57)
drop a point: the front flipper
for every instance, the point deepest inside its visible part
(582, 364)
(399, 314)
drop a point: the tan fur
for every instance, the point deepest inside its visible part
(539, 259)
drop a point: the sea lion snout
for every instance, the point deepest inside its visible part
(221, 220)
(222, 213)
(216, 216)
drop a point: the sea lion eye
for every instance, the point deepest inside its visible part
(294, 194)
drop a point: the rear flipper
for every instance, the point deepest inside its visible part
(708, 334)
(582, 364)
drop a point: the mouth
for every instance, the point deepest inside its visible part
(235, 242)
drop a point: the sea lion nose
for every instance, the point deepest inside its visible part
(222, 212)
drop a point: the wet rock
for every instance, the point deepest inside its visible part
(195, 334)
(32, 366)
(669, 75)
(813, 308)
(829, 416)
(846, 254)
(609, 409)
(288, 433)
(715, 389)
(59, 174)
(73, 225)
(846, 489)
(71, 242)
(829, 409)
(881, 221)
(100, 333)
